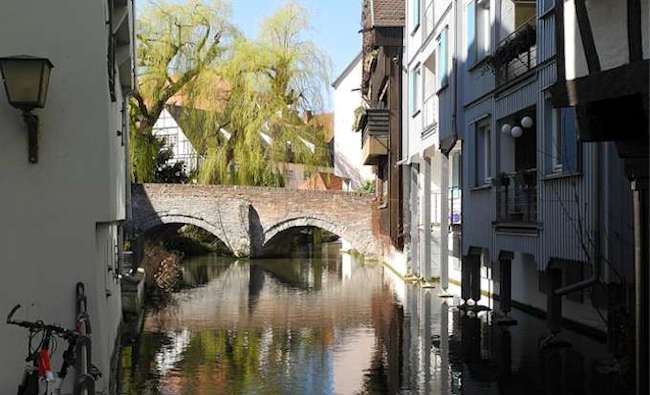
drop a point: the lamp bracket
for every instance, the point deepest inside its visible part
(31, 121)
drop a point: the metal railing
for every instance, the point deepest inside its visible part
(430, 114)
(517, 197)
(86, 372)
(517, 52)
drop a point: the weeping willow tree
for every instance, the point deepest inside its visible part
(177, 44)
(253, 106)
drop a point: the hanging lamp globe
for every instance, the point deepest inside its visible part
(517, 132)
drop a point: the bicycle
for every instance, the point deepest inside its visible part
(40, 374)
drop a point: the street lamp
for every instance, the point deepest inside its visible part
(26, 80)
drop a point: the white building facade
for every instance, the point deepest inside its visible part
(63, 215)
(431, 156)
(168, 129)
(348, 154)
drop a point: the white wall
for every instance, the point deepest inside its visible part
(167, 127)
(348, 162)
(61, 214)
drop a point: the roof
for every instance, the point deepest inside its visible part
(347, 70)
(388, 13)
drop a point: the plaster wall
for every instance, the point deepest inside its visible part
(61, 215)
(348, 161)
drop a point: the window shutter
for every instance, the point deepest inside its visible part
(471, 33)
(412, 91)
(442, 59)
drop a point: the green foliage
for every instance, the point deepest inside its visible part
(244, 100)
(367, 187)
(177, 43)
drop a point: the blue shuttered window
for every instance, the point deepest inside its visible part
(443, 56)
(470, 23)
(415, 14)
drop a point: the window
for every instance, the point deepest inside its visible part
(442, 59)
(416, 78)
(478, 30)
(415, 14)
(482, 154)
(562, 149)
(547, 5)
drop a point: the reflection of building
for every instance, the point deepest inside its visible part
(431, 153)
(602, 73)
(348, 162)
(64, 214)
(381, 122)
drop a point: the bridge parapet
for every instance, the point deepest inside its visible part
(246, 218)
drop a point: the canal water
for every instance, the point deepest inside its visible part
(334, 324)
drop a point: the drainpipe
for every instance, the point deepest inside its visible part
(596, 257)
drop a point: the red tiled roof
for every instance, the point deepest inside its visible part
(388, 13)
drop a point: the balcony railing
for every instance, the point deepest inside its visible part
(430, 115)
(517, 197)
(516, 54)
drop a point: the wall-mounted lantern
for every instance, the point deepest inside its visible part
(506, 128)
(26, 80)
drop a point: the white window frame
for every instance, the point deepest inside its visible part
(415, 6)
(416, 90)
(482, 31)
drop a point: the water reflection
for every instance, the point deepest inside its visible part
(337, 325)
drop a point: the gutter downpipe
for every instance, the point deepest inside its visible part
(596, 258)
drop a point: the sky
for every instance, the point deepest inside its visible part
(335, 25)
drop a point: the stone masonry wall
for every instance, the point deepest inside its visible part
(245, 218)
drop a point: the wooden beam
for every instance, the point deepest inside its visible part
(625, 80)
(120, 15)
(559, 40)
(587, 35)
(122, 54)
(634, 36)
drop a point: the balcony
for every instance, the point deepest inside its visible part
(516, 54)
(516, 198)
(374, 135)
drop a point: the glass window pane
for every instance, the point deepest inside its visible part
(471, 32)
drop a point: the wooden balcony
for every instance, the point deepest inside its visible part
(374, 136)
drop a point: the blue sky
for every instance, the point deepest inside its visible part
(335, 25)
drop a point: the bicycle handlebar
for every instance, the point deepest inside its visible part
(39, 325)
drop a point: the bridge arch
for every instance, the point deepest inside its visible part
(308, 221)
(154, 221)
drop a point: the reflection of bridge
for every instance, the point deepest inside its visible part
(247, 218)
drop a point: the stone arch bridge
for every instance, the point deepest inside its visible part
(247, 218)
